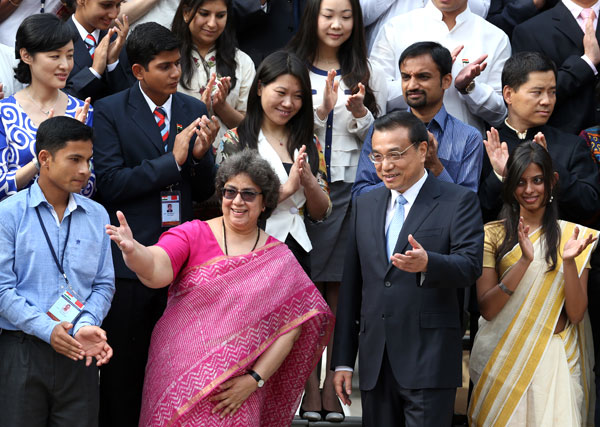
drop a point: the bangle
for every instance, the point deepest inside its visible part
(17, 4)
(505, 289)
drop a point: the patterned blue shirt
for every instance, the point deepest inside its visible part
(17, 143)
(460, 149)
(30, 281)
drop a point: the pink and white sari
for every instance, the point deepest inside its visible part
(220, 317)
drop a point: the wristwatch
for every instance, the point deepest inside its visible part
(467, 90)
(257, 377)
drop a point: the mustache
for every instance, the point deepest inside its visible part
(418, 92)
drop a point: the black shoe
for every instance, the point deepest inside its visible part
(309, 415)
(332, 416)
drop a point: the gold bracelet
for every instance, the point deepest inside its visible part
(15, 4)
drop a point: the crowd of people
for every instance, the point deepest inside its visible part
(383, 171)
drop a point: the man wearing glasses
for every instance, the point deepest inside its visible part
(455, 151)
(411, 245)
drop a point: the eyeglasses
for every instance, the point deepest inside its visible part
(247, 195)
(392, 156)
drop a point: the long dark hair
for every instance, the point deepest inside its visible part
(525, 154)
(42, 32)
(301, 125)
(352, 54)
(226, 43)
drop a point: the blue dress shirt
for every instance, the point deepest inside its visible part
(460, 149)
(30, 281)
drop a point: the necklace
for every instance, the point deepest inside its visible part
(225, 238)
(281, 140)
(39, 106)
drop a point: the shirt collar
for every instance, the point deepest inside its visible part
(520, 135)
(411, 194)
(576, 9)
(440, 117)
(83, 32)
(437, 14)
(166, 106)
(36, 198)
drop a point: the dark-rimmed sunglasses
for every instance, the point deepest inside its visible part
(247, 195)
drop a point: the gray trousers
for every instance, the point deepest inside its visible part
(39, 387)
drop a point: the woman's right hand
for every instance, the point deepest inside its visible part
(330, 95)
(122, 234)
(294, 179)
(524, 241)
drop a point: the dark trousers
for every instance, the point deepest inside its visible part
(42, 388)
(134, 312)
(390, 405)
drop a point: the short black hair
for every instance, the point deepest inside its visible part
(440, 55)
(249, 162)
(517, 68)
(43, 32)
(417, 132)
(147, 40)
(54, 133)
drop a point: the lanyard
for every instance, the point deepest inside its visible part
(62, 258)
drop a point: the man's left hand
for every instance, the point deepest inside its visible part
(93, 341)
(413, 261)
(468, 73)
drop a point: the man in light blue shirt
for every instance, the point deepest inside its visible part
(455, 149)
(56, 286)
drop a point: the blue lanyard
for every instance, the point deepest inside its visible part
(62, 258)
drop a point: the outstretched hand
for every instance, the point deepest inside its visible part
(469, 72)
(524, 241)
(574, 247)
(122, 234)
(414, 260)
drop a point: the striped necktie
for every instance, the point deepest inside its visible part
(395, 226)
(159, 115)
(90, 43)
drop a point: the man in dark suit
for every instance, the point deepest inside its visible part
(100, 65)
(151, 149)
(264, 26)
(528, 87)
(559, 33)
(410, 336)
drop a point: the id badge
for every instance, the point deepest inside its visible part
(66, 308)
(169, 206)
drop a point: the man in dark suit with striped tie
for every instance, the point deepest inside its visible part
(151, 149)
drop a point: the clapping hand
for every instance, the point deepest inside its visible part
(414, 260)
(205, 136)
(114, 49)
(540, 139)
(330, 95)
(469, 72)
(219, 98)
(574, 247)
(497, 151)
(81, 113)
(524, 241)
(456, 51)
(355, 103)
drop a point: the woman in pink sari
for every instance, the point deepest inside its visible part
(244, 326)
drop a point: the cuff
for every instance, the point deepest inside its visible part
(177, 164)
(112, 66)
(500, 177)
(591, 64)
(318, 122)
(343, 368)
(95, 73)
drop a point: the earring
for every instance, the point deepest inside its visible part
(551, 199)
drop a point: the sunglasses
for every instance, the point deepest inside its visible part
(247, 195)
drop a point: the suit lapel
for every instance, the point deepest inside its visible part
(424, 204)
(177, 111)
(81, 56)
(378, 222)
(565, 23)
(144, 119)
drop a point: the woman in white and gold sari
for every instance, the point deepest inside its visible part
(532, 358)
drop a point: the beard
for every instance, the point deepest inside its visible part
(416, 103)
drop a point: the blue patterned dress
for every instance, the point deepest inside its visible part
(17, 143)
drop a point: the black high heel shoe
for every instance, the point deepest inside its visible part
(332, 416)
(309, 415)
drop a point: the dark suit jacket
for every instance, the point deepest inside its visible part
(578, 187)
(82, 83)
(557, 34)
(260, 34)
(506, 14)
(132, 167)
(418, 324)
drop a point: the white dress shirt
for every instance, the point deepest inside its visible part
(376, 13)
(477, 35)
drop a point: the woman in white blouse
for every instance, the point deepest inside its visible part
(331, 41)
(213, 69)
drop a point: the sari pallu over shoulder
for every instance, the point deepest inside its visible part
(220, 317)
(508, 349)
